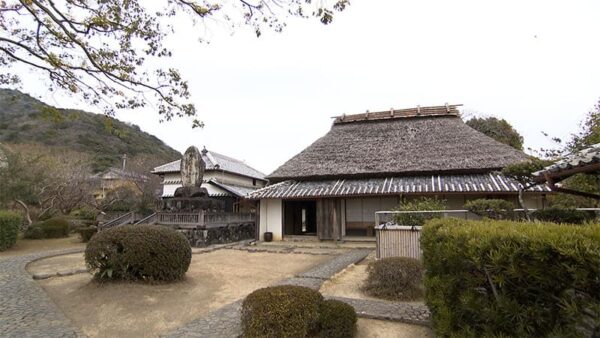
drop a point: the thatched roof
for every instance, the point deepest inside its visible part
(416, 141)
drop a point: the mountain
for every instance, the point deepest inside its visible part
(26, 120)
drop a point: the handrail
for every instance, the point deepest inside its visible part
(145, 219)
(118, 221)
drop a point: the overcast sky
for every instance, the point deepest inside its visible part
(534, 63)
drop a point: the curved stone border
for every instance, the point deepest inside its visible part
(25, 308)
(409, 313)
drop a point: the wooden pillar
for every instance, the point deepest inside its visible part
(329, 219)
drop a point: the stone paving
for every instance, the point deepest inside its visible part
(25, 308)
(400, 312)
(328, 269)
(224, 322)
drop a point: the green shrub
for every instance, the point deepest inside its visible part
(9, 229)
(34, 231)
(85, 213)
(336, 320)
(491, 208)
(421, 204)
(139, 252)
(86, 233)
(502, 278)
(56, 227)
(556, 215)
(281, 311)
(51, 228)
(395, 278)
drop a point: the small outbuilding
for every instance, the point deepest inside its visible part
(374, 161)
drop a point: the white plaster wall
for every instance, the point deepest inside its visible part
(228, 178)
(271, 216)
(169, 189)
(363, 209)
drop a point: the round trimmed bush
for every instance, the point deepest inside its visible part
(139, 252)
(395, 278)
(9, 229)
(281, 311)
(51, 228)
(336, 320)
(55, 227)
(34, 231)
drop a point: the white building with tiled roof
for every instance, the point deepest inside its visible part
(224, 177)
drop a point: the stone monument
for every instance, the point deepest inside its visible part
(191, 196)
(192, 171)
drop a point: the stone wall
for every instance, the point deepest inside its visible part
(227, 233)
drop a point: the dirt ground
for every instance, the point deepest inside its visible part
(349, 282)
(58, 263)
(140, 310)
(371, 328)
(28, 246)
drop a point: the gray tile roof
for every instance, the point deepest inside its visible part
(236, 190)
(459, 183)
(581, 158)
(215, 161)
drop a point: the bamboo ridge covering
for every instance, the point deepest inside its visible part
(448, 110)
(413, 142)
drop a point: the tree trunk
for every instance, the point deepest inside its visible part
(27, 215)
(523, 206)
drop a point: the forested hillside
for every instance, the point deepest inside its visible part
(25, 120)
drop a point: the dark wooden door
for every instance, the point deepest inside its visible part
(329, 219)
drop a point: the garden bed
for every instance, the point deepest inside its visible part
(131, 309)
(349, 282)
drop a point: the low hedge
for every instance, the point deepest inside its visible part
(491, 208)
(139, 252)
(336, 320)
(557, 215)
(420, 204)
(501, 278)
(55, 227)
(281, 311)
(86, 233)
(9, 229)
(395, 278)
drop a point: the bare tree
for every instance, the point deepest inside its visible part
(101, 51)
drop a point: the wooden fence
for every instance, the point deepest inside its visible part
(398, 241)
(404, 240)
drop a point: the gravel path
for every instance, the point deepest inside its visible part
(25, 309)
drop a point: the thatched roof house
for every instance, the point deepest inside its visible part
(369, 162)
